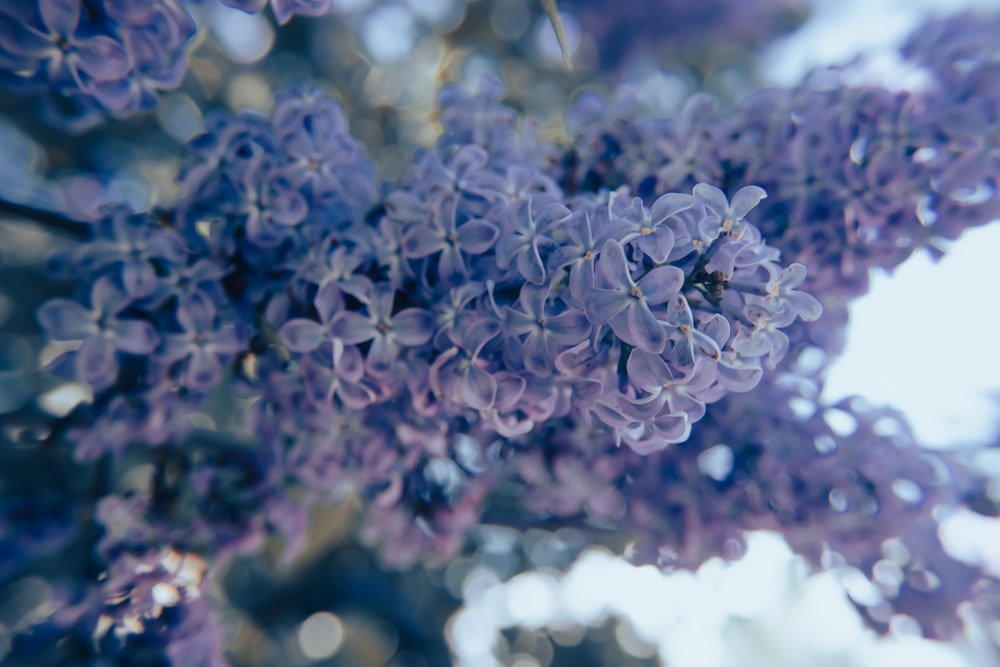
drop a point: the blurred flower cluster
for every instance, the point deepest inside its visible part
(250, 338)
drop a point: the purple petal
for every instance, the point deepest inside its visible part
(328, 301)
(647, 332)
(139, 278)
(451, 266)
(63, 319)
(106, 298)
(352, 328)
(96, 362)
(673, 427)
(536, 354)
(288, 208)
(601, 305)
(230, 339)
(516, 323)
(669, 205)
(381, 355)
(661, 284)
(648, 371)
(173, 348)
(421, 240)
(530, 265)
(60, 16)
(745, 200)
(738, 378)
(203, 369)
(413, 326)
(613, 266)
(134, 336)
(196, 314)
(477, 236)
(806, 305)
(713, 198)
(569, 328)
(301, 335)
(658, 244)
(101, 58)
(477, 388)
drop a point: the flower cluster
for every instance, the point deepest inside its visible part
(107, 56)
(590, 334)
(858, 176)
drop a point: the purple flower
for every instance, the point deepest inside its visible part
(204, 344)
(459, 374)
(102, 333)
(624, 303)
(388, 332)
(547, 335)
(789, 303)
(443, 234)
(524, 236)
(722, 216)
(645, 229)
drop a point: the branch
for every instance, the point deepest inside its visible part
(53, 221)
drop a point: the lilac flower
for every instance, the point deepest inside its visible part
(587, 233)
(204, 344)
(102, 332)
(524, 236)
(138, 248)
(784, 299)
(459, 374)
(109, 56)
(722, 216)
(443, 234)
(624, 303)
(54, 44)
(547, 335)
(387, 331)
(645, 229)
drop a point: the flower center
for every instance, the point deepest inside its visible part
(636, 292)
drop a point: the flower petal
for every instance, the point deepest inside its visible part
(660, 284)
(64, 319)
(477, 388)
(413, 326)
(302, 335)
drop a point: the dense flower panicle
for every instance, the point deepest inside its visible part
(293, 333)
(112, 56)
(857, 176)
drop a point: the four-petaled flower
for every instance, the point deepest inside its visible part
(102, 332)
(624, 303)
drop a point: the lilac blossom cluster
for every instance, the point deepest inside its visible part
(858, 176)
(595, 333)
(94, 56)
(475, 305)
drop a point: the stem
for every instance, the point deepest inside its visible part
(53, 221)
